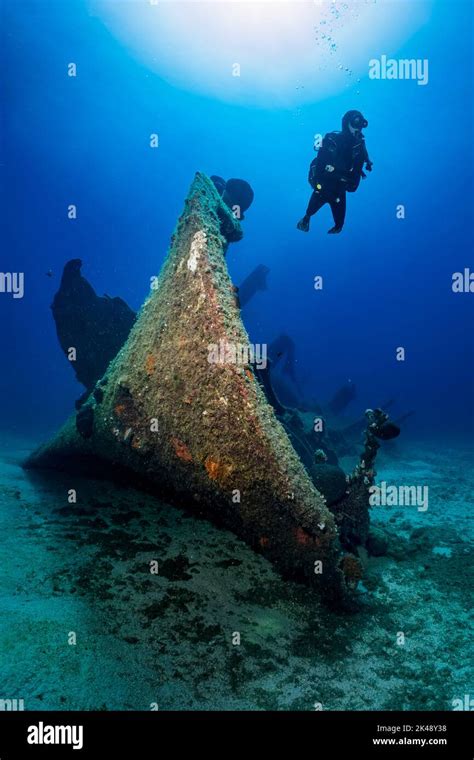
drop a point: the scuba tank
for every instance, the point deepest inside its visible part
(329, 153)
(313, 174)
(348, 170)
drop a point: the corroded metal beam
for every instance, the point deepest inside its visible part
(201, 432)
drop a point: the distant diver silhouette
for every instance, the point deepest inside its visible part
(337, 169)
(255, 281)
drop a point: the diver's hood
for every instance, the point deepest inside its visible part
(355, 119)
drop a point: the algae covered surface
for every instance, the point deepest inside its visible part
(216, 627)
(197, 429)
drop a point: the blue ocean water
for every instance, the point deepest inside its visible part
(387, 282)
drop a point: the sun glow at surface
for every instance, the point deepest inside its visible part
(288, 51)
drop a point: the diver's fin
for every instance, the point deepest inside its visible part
(303, 224)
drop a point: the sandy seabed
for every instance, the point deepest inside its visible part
(145, 640)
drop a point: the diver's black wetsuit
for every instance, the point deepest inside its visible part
(337, 170)
(336, 197)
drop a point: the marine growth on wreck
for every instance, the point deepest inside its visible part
(210, 432)
(236, 407)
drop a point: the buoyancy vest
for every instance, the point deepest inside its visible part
(346, 155)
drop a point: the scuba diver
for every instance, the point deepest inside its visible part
(337, 169)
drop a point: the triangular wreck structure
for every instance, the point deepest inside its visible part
(200, 432)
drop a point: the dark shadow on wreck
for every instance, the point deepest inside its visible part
(307, 511)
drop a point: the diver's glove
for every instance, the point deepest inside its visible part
(368, 166)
